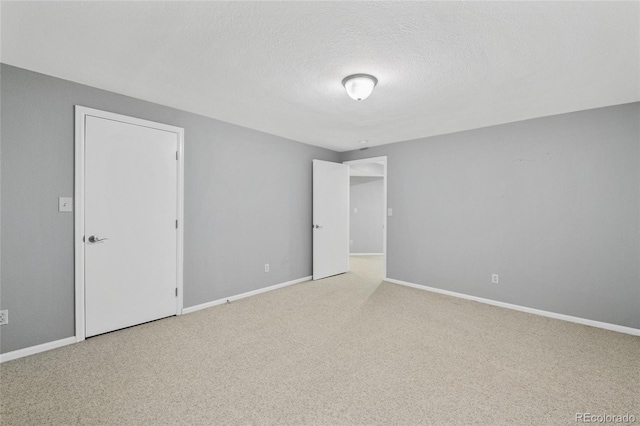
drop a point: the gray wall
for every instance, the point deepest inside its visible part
(365, 227)
(551, 204)
(247, 203)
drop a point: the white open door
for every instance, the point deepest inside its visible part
(330, 219)
(130, 211)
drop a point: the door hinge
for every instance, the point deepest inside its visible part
(176, 223)
(176, 291)
(177, 155)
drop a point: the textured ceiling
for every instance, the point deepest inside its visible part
(277, 66)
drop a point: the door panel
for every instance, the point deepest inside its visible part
(330, 219)
(131, 200)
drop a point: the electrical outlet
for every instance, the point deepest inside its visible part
(4, 317)
(350, 242)
(266, 267)
(389, 212)
(355, 210)
(494, 278)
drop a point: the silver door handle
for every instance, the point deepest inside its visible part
(94, 239)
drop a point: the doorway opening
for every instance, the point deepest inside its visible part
(368, 208)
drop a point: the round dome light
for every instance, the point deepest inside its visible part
(359, 86)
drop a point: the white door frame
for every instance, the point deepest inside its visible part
(79, 186)
(384, 202)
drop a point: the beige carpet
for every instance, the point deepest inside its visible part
(347, 350)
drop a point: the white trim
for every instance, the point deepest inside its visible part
(20, 353)
(180, 215)
(346, 240)
(563, 317)
(385, 178)
(78, 215)
(366, 254)
(81, 113)
(243, 295)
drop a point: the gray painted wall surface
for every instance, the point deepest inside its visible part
(551, 204)
(365, 227)
(247, 203)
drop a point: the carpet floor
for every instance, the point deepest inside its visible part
(346, 350)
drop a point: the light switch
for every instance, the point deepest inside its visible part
(389, 212)
(65, 204)
(355, 210)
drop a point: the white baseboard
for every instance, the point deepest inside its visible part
(243, 295)
(366, 254)
(36, 349)
(563, 317)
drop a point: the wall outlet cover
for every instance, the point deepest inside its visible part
(4, 317)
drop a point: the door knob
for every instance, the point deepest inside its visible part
(94, 239)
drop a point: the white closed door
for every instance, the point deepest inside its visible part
(130, 238)
(330, 219)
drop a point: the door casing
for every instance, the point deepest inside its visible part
(81, 113)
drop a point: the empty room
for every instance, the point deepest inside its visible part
(319, 213)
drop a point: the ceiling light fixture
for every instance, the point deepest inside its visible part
(359, 86)
(363, 141)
